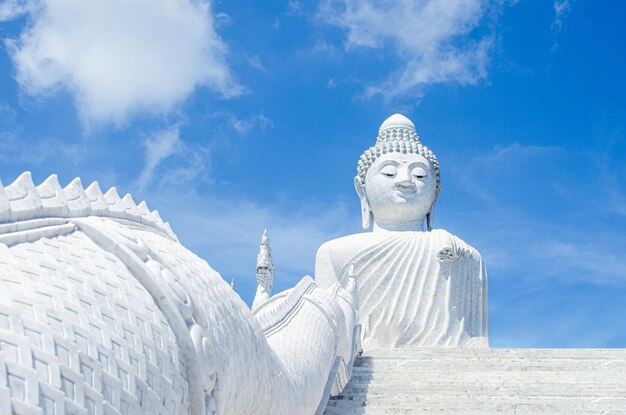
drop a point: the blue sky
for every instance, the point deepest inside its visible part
(232, 116)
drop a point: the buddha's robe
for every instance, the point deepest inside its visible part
(413, 288)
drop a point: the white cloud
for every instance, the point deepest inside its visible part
(7, 113)
(435, 38)
(158, 147)
(14, 149)
(537, 242)
(582, 256)
(256, 63)
(193, 167)
(561, 9)
(170, 162)
(10, 9)
(119, 57)
(294, 8)
(244, 124)
(226, 231)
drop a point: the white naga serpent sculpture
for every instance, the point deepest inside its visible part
(103, 311)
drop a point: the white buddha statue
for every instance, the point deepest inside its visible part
(415, 286)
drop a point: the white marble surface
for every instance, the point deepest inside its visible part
(103, 311)
(407, 295)
(456, 381)
(415, 286)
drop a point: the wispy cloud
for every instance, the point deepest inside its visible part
(243, 125)
(193, 168)
(256, 63)
(294, 8)
(158, 147)
(189, 166)
(535, 242)
(7, 113)
(495, 167)
(561, 9)
(320, 49)
(116, 57)
(581, 257)
(436, 39)
(10, 9)
(14, 149)
(226, 231)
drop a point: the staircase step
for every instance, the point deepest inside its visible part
(485, 381)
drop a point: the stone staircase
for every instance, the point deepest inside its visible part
(486, 381)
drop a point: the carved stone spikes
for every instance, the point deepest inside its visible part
(99, 205)
(156, 218)
(116, 207)
(130, 207)
(143, 207)
(52, 197)
(77, 200)
(24, 200)
(144, 211)
(5, 207)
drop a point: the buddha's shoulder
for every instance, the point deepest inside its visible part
(353, 242)
(444, 240)
(439, 238)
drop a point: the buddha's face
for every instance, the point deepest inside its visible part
(400, 189)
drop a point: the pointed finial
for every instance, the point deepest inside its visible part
(396, 121)
(265, 265)
(233, 285)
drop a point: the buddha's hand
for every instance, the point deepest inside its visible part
(352, 270)
(351, 286)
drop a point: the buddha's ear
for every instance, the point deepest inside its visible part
(366, 212)
(359, 186)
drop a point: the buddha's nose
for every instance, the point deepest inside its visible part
(403, 179)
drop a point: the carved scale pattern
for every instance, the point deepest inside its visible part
(80, 335)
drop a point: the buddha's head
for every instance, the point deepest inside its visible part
(397, 179)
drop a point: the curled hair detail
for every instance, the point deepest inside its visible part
(396, 140)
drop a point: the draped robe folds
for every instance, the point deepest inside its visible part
(413, 288)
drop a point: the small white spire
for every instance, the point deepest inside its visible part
(233, 285)
(265, 265)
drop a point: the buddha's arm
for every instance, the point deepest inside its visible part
(485, 308)
(325, 274)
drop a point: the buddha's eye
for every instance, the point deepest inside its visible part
(389, 171)
(419, 173)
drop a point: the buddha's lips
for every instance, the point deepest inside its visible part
(408, 191)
